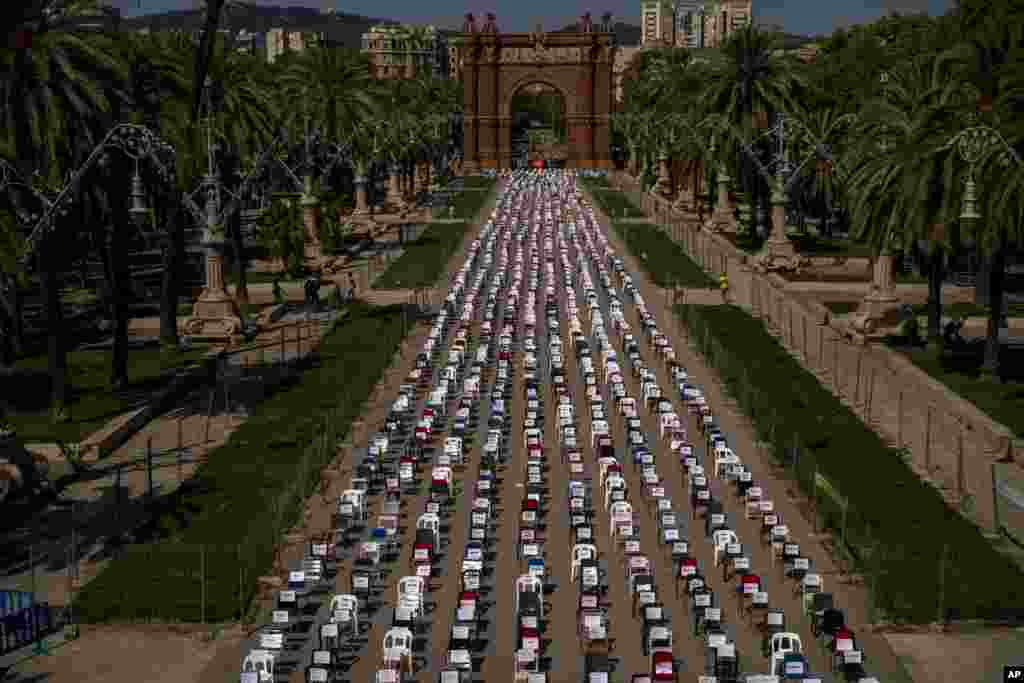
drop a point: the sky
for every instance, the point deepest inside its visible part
(804, 17)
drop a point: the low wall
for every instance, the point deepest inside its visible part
(948, 440)
(184, 382)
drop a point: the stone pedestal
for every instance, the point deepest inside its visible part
(362, 208)
(875, 312)
(778, 252)
(663, 185)
(394, 197)
(423, 179)
(722, 218)
(311, 223)
(215, 315)
(684, 202)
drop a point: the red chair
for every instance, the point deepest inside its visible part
(663, 667)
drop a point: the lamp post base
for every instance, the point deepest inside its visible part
(877, 316)
(215, 317)
(779, 254)
(722, 221)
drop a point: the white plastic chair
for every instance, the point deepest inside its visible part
(581, 552)
(528, 583)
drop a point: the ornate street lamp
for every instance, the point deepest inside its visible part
(972, 145)
(139, 212)
(134, 141)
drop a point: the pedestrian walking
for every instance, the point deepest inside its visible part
(351, 285)
(723, 286)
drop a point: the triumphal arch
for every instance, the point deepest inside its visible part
(495, 66)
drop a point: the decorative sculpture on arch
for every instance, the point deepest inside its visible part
(585, 25)
(491, 25)
(606, 23)
(469, 25)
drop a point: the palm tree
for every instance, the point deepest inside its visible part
(986, 84)
(334, 88)
(750, 78)
(902, 182)
(243, 121)
(12, 281)
(280, 232)
(819, 186)
(55, 104)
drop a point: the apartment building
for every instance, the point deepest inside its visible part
(280, 40)
(403, 50)
(692, 23)
(655, 23)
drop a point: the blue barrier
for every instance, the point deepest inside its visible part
(26, 624)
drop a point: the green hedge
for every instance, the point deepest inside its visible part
(218, 535)
(664, 260)
(896, 527)
(468, 203)
(422, 262)
(615, 204)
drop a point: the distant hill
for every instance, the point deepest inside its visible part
(625, 34)
(342, 29)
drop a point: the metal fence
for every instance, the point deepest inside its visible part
(1008, 493)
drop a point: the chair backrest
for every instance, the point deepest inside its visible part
(258, 660)
(614, 481)
(583, 551)
(344, 601)
(621, 510)
(659, 633)
(528, 583)
(811, 583)
(411, 585)
(723, 537)
(398, 638)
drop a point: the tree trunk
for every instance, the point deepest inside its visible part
(119, 355)
(241, 263)
(983, 279)
(12, 324)
(173, 264)
(56, 353)
(120, 275)
(996, 262)
(204, 55)
(936, 272)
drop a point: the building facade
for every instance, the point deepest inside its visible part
(692, 23)
(623, 56)
(655, 23)
(454, 59)
(281, 40)
(402, 51)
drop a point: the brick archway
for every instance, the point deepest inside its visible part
(497, 65)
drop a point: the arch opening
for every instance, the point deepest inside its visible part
(538, 126)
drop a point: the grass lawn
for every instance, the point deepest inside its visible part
(479, 182)
(897, 527)
(969, 309)
(615, 204)
(963, 309)
(422, 262)
(26, 394)
(220, 529)
(664, 260)
(1004, 402)
(842, 307)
